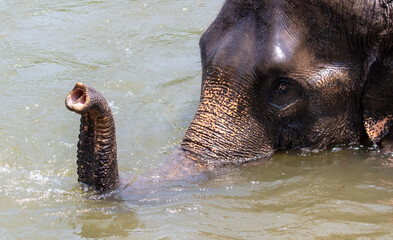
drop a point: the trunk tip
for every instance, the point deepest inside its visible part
(78, 98)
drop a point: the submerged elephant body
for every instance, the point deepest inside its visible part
(275, 75)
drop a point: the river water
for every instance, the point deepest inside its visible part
(144, 57)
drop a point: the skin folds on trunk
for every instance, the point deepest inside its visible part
(207, 144)
(97, 160)
(224, 131)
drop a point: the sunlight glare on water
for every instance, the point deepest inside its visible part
(144, 57)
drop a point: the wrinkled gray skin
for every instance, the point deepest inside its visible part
(287, 74)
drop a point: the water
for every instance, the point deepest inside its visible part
(144, 57)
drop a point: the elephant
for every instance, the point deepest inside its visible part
(276, 74)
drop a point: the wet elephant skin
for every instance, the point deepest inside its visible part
(291, 74)
(276, 74)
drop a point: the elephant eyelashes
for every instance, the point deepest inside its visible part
(283, 93)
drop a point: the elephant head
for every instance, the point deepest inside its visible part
(284, 75)
(292, 74)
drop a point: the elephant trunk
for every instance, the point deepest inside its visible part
(225, 130)
(97, 150)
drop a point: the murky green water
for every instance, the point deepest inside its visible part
(144, 57)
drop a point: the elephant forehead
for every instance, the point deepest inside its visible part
(290, 36)
(283, 39)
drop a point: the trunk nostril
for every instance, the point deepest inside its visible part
(78, 97)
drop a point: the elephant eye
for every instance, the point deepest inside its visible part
(284, 92)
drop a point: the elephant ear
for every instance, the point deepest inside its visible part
(378, 101)
(378, 93)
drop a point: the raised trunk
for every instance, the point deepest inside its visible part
(97, 153)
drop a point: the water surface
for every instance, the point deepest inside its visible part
(144, 57)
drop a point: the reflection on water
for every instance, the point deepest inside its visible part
(144, 57)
